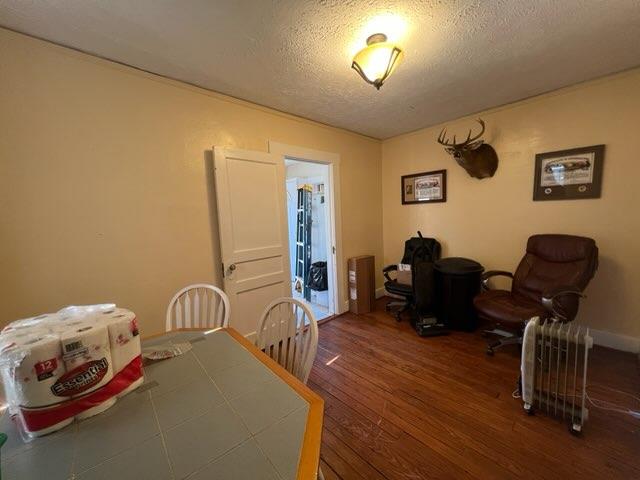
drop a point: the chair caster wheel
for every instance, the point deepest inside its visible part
(490, 351)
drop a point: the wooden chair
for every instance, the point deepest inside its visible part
(288, 333)
(198, 306)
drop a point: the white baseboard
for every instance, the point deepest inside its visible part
(616, 341)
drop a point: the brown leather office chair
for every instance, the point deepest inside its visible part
(547, 283)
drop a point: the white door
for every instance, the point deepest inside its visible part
(253, 232)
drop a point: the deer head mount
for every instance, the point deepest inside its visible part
(479, 159)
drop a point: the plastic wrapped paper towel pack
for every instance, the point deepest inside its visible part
(71, 364)
(85, 345)
(124, 338)
(38, 364)
(29, 324)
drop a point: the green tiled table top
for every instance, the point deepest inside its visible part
(216, 412)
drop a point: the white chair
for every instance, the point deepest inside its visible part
(198, 306)
(288, 333)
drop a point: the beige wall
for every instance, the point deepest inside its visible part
(106, 186)
(104, 180)
(490, 220)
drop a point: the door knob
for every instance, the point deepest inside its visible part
(232, 267)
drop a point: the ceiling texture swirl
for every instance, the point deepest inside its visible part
(295, 56)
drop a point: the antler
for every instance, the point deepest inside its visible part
(471, 140)
(443, 140)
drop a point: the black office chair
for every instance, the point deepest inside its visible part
(415, 249)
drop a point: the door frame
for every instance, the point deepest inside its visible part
(334, 213)
(292, 255)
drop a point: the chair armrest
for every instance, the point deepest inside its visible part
(493, 273)
(387, 269)
(549, 298)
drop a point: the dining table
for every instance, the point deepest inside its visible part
(220, 410)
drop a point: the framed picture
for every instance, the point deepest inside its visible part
(569, 174)
(426, 187)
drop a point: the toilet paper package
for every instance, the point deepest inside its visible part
(31, 365)
(124, 338)
(83, 311)
(28, 324)
(87, 358)
(69, 365)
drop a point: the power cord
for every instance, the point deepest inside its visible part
(636, 398)
(610, 406)
(633, 413)
(602, 404)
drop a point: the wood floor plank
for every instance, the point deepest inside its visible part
(328, 472)
(347, 463)
(390, 417)
(421, 420)
(400, 457)
(398, 406)
(480, 408)
(496, 417)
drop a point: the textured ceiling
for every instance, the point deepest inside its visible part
(294, 55)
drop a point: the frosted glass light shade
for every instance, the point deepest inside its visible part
(377, 60)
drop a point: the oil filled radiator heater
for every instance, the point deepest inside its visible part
(554, 370)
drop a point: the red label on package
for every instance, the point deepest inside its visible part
(36, 419)
(46, 368)
(81, 378)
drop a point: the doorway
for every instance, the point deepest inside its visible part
(309, 228)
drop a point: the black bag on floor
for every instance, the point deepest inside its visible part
(423, 287)
(317, 279)
(424, 320)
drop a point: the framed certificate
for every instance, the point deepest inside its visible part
(426, 187)
(569, 174)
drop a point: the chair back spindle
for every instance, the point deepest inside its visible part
(288, 333)
(198, 306)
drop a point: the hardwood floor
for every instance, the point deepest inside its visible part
(398, 406)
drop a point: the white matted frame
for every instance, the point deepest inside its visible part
(334, 213)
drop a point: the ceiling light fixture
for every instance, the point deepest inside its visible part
(377, 60)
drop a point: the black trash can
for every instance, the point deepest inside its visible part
(457, 282)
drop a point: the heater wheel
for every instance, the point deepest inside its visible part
(575, 429)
